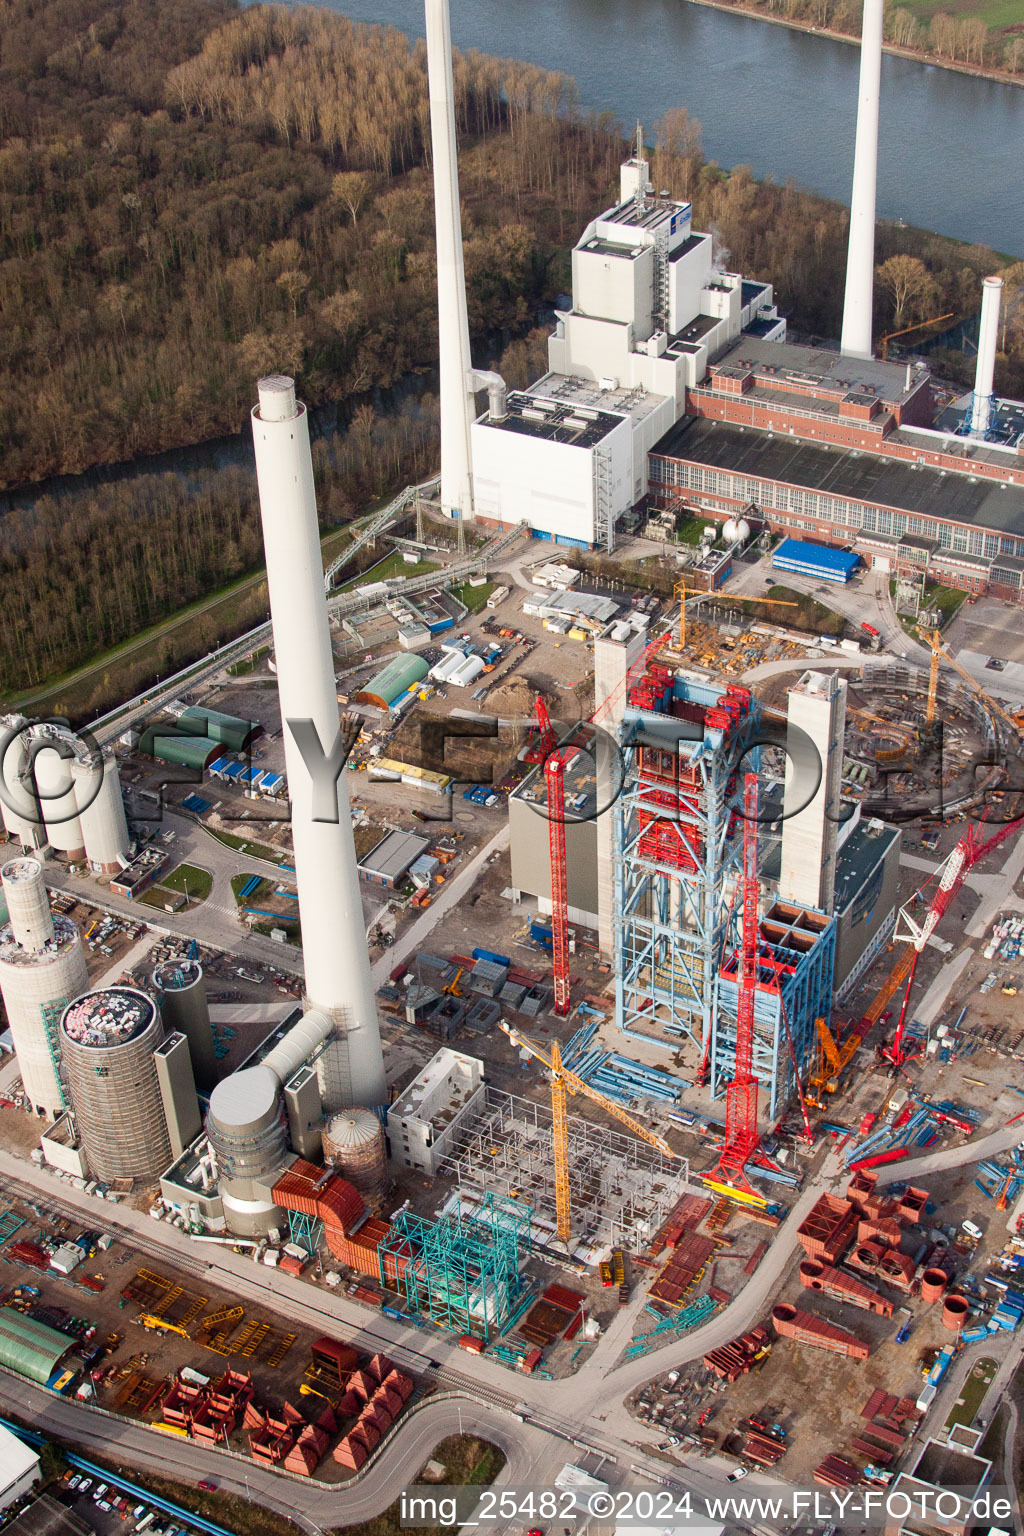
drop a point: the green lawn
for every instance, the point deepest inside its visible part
(193, 882)
(156, 897)
(392, 565)
(474, 598)
(994, 13)
(242, 668)
(807, 614)
(468, 1462)
(237, 881)
(254, 850)
(691, 529)
(972, 1394)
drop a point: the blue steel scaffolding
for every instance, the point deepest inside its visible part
(797, 956)
(464, 1272)
(678, 846)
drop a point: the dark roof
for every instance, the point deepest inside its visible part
(556, 422)
(858, 856)
(841, 472)
(686, 246)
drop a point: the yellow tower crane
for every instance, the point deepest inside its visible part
(564, 1082)
(681, 590)
(934, 639)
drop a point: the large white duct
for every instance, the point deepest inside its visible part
(337, 966)
(455, 363)
(298, 1045)
(860, 259)
(988, 340)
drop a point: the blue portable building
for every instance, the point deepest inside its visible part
(814, 560)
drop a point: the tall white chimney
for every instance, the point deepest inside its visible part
(457, 403)
(988, 340)
(337, 965)
(860, 259)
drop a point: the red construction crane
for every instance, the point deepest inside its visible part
(741, 1137)
(554, 778)
(546, 742)
(951, 877)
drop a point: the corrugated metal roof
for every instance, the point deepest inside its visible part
(400, 674)
(393, 855)
(32, 1349)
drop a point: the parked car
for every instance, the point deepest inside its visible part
(734, 1477)
(206, 1487)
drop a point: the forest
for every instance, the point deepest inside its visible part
(192, 195)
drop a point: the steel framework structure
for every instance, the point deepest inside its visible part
(464, 1272)
(677, 852)
(741, 1135)
(796, 957)
(621, 1189)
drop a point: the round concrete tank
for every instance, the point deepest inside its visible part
(246, 1130)
(107, 1040)
(810, 1274)
(23, 826)
(783, 1313)
(56, 789)
(42, 969)
(354, 1146)
(933, 1284)
(954, 1312)
(181, 989)
(101, 813)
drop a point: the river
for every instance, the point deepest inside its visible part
(951, 145)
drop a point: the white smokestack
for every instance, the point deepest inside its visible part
(988, 339)
(457, 404)
(860, 260)
(337, 966)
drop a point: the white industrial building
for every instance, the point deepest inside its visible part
(424, 1118)
(649, 310)
(19, 1468)
(817, 709)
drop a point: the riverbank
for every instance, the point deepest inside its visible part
(914, 55)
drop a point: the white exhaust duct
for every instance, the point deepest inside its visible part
(860, 259)
(337, 967)
(456, 367)
(988, 340)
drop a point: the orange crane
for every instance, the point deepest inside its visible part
(907, 329)
(564, 1082)
(681, 590)
(934, 639)
(831, 1058)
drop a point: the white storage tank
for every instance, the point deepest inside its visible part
(246, 1130)
(101, 812)
(56, 789)
(22, 825)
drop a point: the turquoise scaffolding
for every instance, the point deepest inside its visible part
(465, 1270)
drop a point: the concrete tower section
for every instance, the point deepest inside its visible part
(42, 969)
(181, 989)
(860, 259)
(108, 1039)
(988, 340)
(455, 363)
(337, 967)
(817, 716)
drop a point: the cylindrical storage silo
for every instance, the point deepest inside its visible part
(247, 1134)
(56, 790)
(933, 1284)
(181, 990)
(42, 969)
(107, 1041)
(24, 824)
(354, 1146)
(101, 813)
(954, 1312)
(28, 903)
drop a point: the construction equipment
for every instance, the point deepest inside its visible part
(952, 873)
(452, 987)
(681, 591)
(934, 639)
(538, 751)
(830, 1061)
(154, 1324)
(741, 1134)
(554, 778)
(564, 1082)
(908, 329)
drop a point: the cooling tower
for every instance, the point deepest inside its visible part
(107, 1042)
(354, 1147)
(42, 969)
